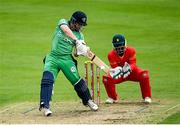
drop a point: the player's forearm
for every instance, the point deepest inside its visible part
(68, 32)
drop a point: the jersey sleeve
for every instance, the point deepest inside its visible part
(132, 58)
(112, 62)
(62, 22)
(81, 36)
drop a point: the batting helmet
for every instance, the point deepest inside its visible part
(79, 17)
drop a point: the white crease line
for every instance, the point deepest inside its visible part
(172, 107)
(29, 110)
(11, 107)
(141, 109)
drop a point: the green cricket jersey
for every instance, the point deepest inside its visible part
(60, 57)
(62, 44)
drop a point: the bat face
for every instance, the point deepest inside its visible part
(97, 61)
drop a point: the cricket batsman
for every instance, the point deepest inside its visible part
(67, 36)
(122, 59)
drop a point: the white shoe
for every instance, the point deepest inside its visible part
(92, 105)
(147, 100)
(111, 101)
(47, 112)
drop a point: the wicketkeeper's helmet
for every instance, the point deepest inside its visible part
(119, 40)
(119, 43)
(79, 17)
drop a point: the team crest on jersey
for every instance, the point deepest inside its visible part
(73, 69)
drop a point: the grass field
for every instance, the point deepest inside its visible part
(173, 119)
(26, 29)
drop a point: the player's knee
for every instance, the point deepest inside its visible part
(47, 79)
(80, 85)
(107, 80)
(145, 74)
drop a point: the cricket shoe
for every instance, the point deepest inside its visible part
(92, 105)
(147, 100)
(111, 101)
(47, 111)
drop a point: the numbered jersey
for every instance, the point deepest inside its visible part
(62, 44)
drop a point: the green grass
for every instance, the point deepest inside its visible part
(173, 119)
(26, 29)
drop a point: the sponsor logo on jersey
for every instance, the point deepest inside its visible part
(68, 40)
(59, 34)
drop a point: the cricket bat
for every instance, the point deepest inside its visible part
(97, 61)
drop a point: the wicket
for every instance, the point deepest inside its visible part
(92, 80)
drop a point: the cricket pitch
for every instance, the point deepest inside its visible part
(126, 112)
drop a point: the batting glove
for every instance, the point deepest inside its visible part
(81, 48)
(80, 42)
(126, 70)
(116, 72)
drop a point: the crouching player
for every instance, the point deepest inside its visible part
(123, 60)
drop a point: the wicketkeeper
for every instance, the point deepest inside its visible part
(123, 62)
(67, 36)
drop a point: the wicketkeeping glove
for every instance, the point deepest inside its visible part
(81, 47)
(126, 70)
(116, 72)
